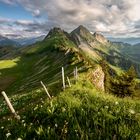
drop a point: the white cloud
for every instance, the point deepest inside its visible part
(117, 17)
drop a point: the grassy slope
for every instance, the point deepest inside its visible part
(42, 61)
(132, 51)
(80, 112)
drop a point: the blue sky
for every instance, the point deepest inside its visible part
(30, 18)
(15, 12)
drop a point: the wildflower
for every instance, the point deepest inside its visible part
(106, 107)
(63, 109)
(56, 125)
(24, 124)
(36, 108)
(131, 111)
(2, 127)
(23, 121)
(8, 134)
(19, 138)
(116, 103)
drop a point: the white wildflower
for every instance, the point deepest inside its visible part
(56, 125)
(24, 124)
(131, 111)
(99, 113)
(8, 134)
(19, 138)
(63, 109)
(23, 121)
(106, 107)
(2, 127)
(116, 103)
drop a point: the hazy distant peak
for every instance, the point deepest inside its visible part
(4, 41)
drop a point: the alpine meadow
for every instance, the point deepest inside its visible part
(69, 70)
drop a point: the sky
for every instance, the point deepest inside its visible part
(31, 18)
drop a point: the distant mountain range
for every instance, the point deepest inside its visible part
(29, 41)
(8, 42)
(132, 40)
(4, 41)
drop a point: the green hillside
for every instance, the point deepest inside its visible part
(42, 61)
(82, 111)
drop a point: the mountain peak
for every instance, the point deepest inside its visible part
(56, 31)
(81, 30)
(81, 27)
(99, 37)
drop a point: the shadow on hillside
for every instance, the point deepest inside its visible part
(31, 69)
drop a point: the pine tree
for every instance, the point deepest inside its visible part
(124, 85)
(107, 78)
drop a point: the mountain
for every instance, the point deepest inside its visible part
(8, 42)
(60, 48)
(87, 42)
(97, 47)
(132, 51)
(7, 52)
(29, 41)
(82, 110)
(129, 40)
(100, 38)
(82, 35)
(42, 61)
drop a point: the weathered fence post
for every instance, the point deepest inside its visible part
(63, 78)
(46, 90)
(68, 81)
(76, 73)
(10, 105)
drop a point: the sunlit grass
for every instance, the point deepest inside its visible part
(8, 63)
(79, 112)
(117, 69)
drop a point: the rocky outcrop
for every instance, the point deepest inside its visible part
(97, 77)
(100, 38)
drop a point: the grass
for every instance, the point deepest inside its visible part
(8, 63)
(80, 112)
(117, 69)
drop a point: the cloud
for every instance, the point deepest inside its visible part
(10, 2)
(111, 17)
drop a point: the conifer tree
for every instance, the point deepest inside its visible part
(124, 85)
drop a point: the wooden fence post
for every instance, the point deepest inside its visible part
(76, 73)
(68, 81)
(63, 78)
(9, 104)
(46, 90)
